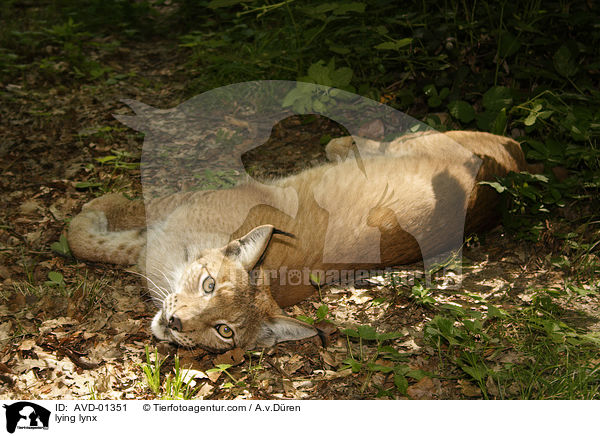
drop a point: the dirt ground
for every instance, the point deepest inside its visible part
(73, 330)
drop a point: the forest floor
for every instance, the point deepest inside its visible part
(70, 329)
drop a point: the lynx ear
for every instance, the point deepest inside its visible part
(283, 328)
(249, 249)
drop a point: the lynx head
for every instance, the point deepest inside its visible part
(215, 305)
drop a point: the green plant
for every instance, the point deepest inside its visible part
(528, 199)
(422, 295)
(384, 353)
(55, 279)
(322, 311)
(61, 247)
(174, 386)
(223, 367)
(527, 353)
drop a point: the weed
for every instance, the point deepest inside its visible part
(223, 367)
(529, 353)
(174, 386)
(386, 359)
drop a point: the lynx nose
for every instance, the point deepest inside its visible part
(174, 323)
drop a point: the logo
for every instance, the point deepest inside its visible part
(26, 415)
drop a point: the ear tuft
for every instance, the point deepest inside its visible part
(282, 328)
(249, 249)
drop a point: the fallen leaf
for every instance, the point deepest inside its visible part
(214, 376)
(468, 389)
(424, 389)
(29, 207)
(27, 345)
(491, 387)
(232, 357)
(205, 390)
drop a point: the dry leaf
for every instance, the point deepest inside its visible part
(29, 207)
(213, 376)
(468, 389)
(204, 391)
(329, 358)
(491, 387)
(424, 389)
(27, 344)
(232, 357)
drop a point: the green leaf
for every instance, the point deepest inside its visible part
(106, 158)
(394, 45)
(349, 7)
(366, 332)
(389, 335)
(341, 77)
(315, 279)
(497, 186)
(430, 90)
(530, 120)
(497, 98)
(494, 312)
(220, 367)
(214, 4)
(354, 364)
(322, 311)
(564, 62)
(401, 383)
(350, 332)
(377, 367)
(499, 125)
(306, 319)
(461, 110)
(319, 73)
(434, 101)
(55, 278)
(61, 247)
(477, 372)
(508, 45)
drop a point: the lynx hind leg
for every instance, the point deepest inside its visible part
(120, 213)
(90, 239)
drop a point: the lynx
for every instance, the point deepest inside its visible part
(387, 204)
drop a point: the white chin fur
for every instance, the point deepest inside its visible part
(158, 329)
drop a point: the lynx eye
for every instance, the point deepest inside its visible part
(224, 331)
(208, 285)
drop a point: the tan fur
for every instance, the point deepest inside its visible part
(417, 172)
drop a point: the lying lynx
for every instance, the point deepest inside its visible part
(214, 289)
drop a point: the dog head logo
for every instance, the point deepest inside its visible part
(25, 414)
